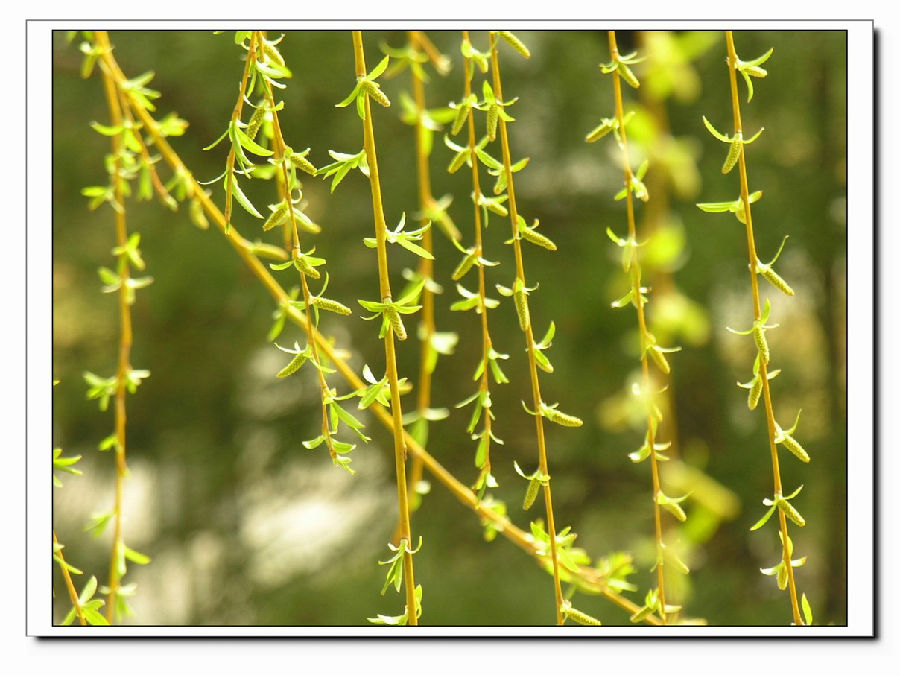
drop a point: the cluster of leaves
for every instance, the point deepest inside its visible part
(394, 578)
(131, 160)
(86, 609)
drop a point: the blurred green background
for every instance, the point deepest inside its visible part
(247, 527)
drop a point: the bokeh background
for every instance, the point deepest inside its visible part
(245, 526)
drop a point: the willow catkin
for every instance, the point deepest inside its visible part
(458, 160)
(755, 391)
(762, 345)
(255, 122)
(794, 447)
(277, 217)
(627, 75)
(515, 43)
(533, 236)
(790, 512)
(660, 360)
(373, 90)
(462, 114)
(734, 152)
(293, 366)
(561, 418)
(302, 265)
(299, 161)
(493, 115)
(396, 323)
(465, 265)
(521, 303)
(534, 485)
(600, 131)
(331, 306)
(774, 278)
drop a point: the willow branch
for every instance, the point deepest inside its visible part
(763, 366)
(587, 577)
(529, 336)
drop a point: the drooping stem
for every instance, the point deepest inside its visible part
(70, 587)
(763, 367)
(235, 117)
(486, 343)
(646, 386)
(529, 337)
(663, 283)
(125, 334)
(426, 265)
(586, 576)
(389, 351)
(284, 186)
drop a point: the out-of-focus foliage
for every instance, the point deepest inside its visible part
(246, 526)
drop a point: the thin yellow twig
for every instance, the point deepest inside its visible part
(529, 337)
(389, 351)
(284, 186)
(70, 587)
(639, 304)
(125, 333)
(763, 367)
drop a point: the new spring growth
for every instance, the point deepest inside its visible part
(759, 384)
(758, 331)
(755, 385)
(390, 311)
(605, 580)
(786, 439)
(782, 503)
(535, 480)
(366, 84)
(620, 63)
(769, 274)
(735, 143)
(634, 188)
(579, 616)
(735, 206)
(752, 68)
(394, 578)
(780, 571)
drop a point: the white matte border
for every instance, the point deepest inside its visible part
(859, 366)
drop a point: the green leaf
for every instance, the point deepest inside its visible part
(231, 182)
(250, 144)
(765, 517)
(804, 602)
(136, 557)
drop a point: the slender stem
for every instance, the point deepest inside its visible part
(663, 283)
(73, 595)
(642, 325)
(125, 333)
(284, 185)
(389, 352)
(529, 337)
(486, 343)
(426, 265)
(586, 576)
(235, 116)
(158, 186)
(754, 285)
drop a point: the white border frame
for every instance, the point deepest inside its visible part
(859, 367)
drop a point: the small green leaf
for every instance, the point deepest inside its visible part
(136, 557)
(807, 611)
